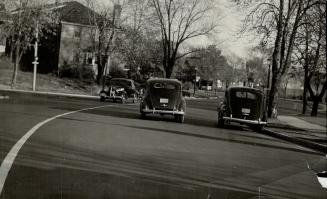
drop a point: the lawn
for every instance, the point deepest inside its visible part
(44, 82)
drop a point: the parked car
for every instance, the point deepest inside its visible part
(119, 89)
(243, 105)
(164, 97)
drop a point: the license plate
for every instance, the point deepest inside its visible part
(246, 110)
(163, 100)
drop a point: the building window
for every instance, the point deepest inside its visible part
(77, 32)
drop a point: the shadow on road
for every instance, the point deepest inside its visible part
(130, 112)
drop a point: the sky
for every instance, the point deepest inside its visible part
(227, 37)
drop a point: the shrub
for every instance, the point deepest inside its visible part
(83, 73)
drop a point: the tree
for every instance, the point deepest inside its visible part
(25, 19)
(106, 20)
(311, 55)
(138, 46)
(278, 22)
(256, 69)
(179, 21)
(239, 69)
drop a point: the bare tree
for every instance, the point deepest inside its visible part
(25, 18)
(278, 22)
(179, 21)
(138, 45)
(105, 20)
(311, 55)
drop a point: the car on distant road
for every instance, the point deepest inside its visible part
(119, 89)
(163, 96)
(243, 105)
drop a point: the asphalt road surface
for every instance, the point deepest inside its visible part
(109, 152)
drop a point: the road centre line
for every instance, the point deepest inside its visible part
(10, 158)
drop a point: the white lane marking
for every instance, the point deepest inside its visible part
(10, 158)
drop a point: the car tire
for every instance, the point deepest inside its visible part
(102, 98)
(143, 115)
(221, 122)
(179, 118)
(123, 99)
(259, 128)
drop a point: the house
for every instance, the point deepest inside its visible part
(74, 41)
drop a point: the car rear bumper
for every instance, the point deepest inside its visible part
(155, 111)
(110, 97)
(258, 122)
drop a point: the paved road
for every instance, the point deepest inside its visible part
(110, 152)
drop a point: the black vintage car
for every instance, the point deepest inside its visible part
(119, 89)
(243, 105)
(164, 97)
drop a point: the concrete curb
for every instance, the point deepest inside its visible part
(299, 141)
(2, 90)
(51, 94)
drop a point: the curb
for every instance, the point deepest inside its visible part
(47, 94)
(299, 141)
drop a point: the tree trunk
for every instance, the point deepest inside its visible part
(16, 66)
(169, 68)
(272, 93)
(275, 58)
(304, 100)
(169, 72)
(305, 91)
(314, 110)
(14, 75)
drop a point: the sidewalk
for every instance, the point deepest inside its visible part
(5, 91)
(299, 131)
(302, 124)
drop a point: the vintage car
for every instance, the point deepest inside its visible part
(243, 105)
(164, 97)
(119, 89)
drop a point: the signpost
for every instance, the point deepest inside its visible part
(35, 62)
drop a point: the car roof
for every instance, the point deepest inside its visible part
(124, 79)
(243, 88)
(155, 80)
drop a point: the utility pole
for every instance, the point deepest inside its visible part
(268, 82)
(35, 62)
(194, 82)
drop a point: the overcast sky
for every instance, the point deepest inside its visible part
(228, 38)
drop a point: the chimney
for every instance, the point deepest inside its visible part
(117, 13)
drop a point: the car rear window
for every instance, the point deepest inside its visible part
(160, 85)
(245, 95)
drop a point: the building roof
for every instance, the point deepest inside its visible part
(72, 12)
(75, 12)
